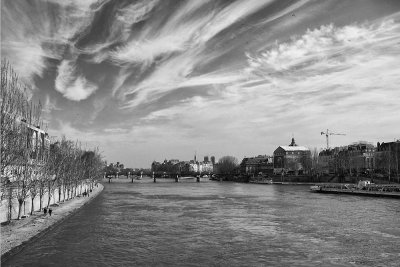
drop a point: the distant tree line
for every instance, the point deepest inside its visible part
(31, 166)
(111, 170)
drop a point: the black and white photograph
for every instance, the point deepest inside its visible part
(200, 133)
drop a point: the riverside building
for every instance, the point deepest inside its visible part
(387, 157)
(255, 165)
(37, 147)
(291, 159)
(357, 158)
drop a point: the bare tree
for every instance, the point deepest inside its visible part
(23, 185)
(227, 165)
(315, 164)
(42, 188)
(33, 192)
(27, 170)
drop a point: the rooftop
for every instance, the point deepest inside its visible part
(295, 148)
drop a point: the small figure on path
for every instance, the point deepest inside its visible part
(45, 211)
(50, 211)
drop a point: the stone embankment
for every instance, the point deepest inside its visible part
(19, 232)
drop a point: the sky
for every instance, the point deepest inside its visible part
(157, 79)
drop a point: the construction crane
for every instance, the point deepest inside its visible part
(327, 134)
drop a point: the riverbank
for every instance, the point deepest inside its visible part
(19, 232)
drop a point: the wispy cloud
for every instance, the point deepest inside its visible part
(26, 61)
(174, 36)
(48, 38)
(216, 75)
(328, 72)
(230, 15)
(179, 46)
(72, 85)
(326, 48)
(49, 105)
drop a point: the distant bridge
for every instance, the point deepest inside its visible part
(133, 178)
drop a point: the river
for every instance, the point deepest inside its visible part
(220, 224)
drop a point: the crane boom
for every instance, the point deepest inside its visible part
(327, 134)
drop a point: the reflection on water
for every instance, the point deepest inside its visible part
(221, 224)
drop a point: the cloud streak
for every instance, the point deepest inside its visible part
(238, 77)
(70, 85)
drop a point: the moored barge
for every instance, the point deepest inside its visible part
(363, 188)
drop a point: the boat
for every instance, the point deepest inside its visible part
(315, 188)
(261, 181)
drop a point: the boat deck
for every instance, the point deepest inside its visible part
(384, 190)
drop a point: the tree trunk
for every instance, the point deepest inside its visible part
(49, 200)
(9, 215)
(59, 194)
(20, 202)
(65, 194)
(40, 202)
(33, 206)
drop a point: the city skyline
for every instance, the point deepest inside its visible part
(150, 80)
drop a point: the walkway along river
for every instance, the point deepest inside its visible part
(221, 224)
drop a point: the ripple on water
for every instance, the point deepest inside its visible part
(221, 224)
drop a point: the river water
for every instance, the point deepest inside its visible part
(221, 224)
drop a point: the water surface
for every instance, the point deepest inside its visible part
(221, 224)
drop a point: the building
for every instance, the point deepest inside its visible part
(357, 158)
(174, 161)
(292, 159)
(35, 145)
(387, 158)
(193, 166)
(255, 165)
(361, 157)
(326, 161)
(174, 166)
(206, 167)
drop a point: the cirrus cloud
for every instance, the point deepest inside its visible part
(71, 85)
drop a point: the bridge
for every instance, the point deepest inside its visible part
(137, 178)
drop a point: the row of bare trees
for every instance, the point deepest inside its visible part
(31, 166)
